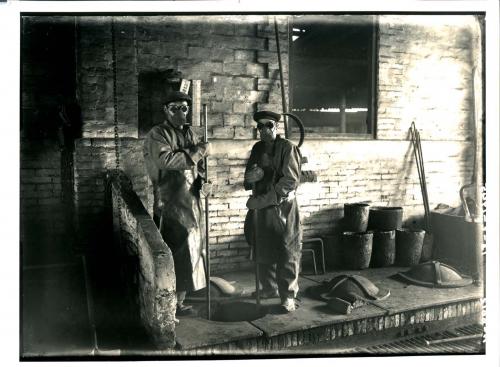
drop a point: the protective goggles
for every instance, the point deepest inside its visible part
(268, 124)
(174, 108)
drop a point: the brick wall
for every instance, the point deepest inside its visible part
(235, 60)
(40, 175)
(48, 74)
(43, 219)
(41, 197)
(425, 75)
(93, 158)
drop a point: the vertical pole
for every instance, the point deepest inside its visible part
(90, 304)
(424, 182)
(372, 76)
(283, 97)
(343, 117)
(207, 250)
(255, 229)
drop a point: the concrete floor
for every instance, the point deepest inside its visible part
(55, 318)
(56, 322)
(195, 332)
(54, 311)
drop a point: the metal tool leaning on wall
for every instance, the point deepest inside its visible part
(419, 159)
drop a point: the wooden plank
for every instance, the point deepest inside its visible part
(196, 103)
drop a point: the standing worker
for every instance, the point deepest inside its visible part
(273, 170)
(174, 161)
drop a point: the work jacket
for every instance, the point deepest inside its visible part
(174, 162)
(278, 228)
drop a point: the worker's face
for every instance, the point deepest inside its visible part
(176, 113)
(267, 129)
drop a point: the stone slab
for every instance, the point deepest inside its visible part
(310, 314)
(314, 313)
(197, 332)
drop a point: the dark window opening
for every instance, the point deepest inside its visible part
(332, 74)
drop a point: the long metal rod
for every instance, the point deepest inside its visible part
(255, 252)
(454, 339)
(283, 97)
(417, 159)
(90, 304)
(419, 168)
(414, 143)
(422, 167)
(421, 173)
(207, 250)
(91, 314)
(428, 210)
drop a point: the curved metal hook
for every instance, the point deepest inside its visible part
(300, 124)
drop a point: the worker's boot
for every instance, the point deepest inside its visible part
(288, 304)
(182, 309)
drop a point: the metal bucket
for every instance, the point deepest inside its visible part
(384, 249)
(357, 249)
(385, 218)
(356, 217)
(409, 244)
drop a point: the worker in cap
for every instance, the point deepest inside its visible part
(273, 173)
(174, 160)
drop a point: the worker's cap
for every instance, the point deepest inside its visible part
(176, 96)
(173, 76)
(268, 115)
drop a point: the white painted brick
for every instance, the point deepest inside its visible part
(238, 203)
(218, 207)
(236, 232)
(228, 238)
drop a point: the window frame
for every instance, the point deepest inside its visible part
(372, 98)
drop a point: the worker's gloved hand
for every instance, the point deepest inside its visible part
(201, 168)
(206, 189)
(203, 148)
(254, 174)
(262, 201)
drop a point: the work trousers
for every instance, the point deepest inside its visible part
(284, 276)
